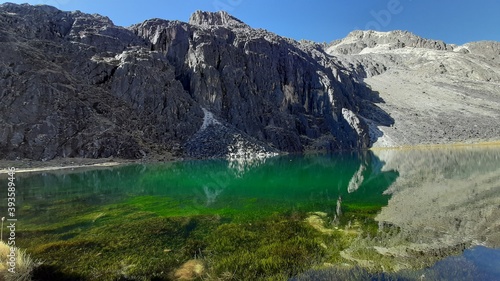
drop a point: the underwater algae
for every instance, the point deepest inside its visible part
(293, 217)
(124, 241)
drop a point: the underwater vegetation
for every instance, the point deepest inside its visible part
(130, 241)
(192, 220)
(123, 242)
(272, 249)
(291, 218)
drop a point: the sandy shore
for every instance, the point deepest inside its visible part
(30, 166)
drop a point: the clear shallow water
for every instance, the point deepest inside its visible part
(211, 186)
(400, 211)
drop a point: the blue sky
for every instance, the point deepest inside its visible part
(454, 21)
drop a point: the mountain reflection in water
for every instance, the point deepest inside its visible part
(445, 197)
(213, 183)
(423, 204)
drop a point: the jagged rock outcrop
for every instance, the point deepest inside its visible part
(75, 84)
(221, 18)
(279, 91)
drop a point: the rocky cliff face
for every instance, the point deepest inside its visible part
(76, 85)
(274, 89)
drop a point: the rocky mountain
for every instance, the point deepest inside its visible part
(436, 92)
(359, 40)
(76, 85)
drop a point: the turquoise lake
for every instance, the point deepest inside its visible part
(419, 214)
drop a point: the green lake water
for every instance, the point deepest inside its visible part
(387, 215)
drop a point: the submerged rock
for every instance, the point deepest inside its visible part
(317, 221)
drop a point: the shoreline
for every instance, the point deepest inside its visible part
(33, 166)
(438, 146)
(56, 168)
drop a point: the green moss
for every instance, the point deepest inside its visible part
(144, 237)
(136, 246)
(150, 236)
(271, 249)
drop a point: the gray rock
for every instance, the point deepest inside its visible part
(488, 49)
(435, 93)
(219, 18)
(277, 90)
(359, 40)
(76, 85)
(218, 139)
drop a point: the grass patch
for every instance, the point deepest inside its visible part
(23, 266)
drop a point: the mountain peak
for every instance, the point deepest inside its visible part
(220, 18)
(359, 40)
